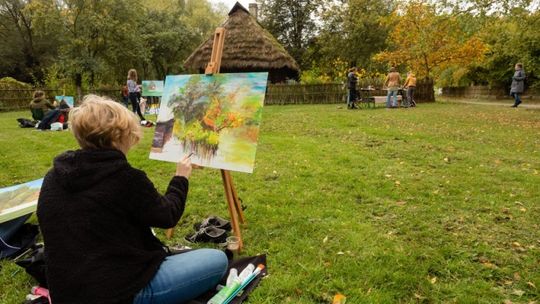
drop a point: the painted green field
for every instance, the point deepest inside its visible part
(437, 204)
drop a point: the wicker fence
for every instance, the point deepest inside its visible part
(276, 94)
(283, 94)
(11, 100)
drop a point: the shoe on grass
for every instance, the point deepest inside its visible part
(215, 221)
(209, 234)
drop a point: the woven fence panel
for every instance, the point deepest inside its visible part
(283, 94)
(11, 100)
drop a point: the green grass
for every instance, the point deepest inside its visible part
(437, 204)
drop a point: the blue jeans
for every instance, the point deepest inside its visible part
(388, 96)
(517, 100)
(183, 277)
(351, 97)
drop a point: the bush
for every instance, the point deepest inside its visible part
(8, 83)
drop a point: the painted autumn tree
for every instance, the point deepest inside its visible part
(202, 111)
(428, 42)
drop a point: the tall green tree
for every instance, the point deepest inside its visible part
(26, 49)
(293, 23)
(99, 34)
(352, 31)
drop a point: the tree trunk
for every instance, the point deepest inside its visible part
(78, 85)
(425, 90)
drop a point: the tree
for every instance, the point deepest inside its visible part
(351, 33)
(428, 42)
(292, 23)
(510, 39)
(99, 34)
(26, 49)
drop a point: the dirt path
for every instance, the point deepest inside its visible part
(524, 105)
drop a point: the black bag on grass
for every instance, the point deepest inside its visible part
(34, 265)
(26, 123)
(16, 237)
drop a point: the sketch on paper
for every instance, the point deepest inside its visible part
(217, 118)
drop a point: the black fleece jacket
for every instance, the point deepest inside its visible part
(95, 212)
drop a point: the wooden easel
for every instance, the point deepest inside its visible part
(234, 205)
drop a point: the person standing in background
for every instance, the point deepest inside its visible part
(352, 80)
(518, 84)
(133, 91)
(392, 83)
(410, 85)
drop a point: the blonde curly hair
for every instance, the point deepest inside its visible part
(101, 123)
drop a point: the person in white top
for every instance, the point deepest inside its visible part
(133, 92)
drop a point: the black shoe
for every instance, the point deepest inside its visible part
(209, 234)
(215, 221)
(513, 106)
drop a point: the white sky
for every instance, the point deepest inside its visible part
(230, 3)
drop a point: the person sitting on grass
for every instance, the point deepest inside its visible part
(39, 106)
(96, 211)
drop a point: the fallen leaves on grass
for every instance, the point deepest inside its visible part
(517, 247)
(401, 203)
(518, 292)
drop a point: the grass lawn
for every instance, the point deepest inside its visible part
(437, 204)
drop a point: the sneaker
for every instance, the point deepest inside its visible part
(209, 234)
(215, 221)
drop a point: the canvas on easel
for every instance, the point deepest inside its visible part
(215, 117)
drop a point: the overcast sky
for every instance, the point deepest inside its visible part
(230, 3)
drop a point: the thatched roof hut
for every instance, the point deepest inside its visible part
(248, 48)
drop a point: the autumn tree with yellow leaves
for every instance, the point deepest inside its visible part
(428, 43)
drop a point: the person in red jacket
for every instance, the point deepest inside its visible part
(96, 213)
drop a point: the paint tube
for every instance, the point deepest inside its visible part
(255, 273)
(246, 272)
(224, 293)
(233, 276)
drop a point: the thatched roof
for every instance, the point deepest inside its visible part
(247, 46)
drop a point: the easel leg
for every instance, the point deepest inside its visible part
(237, 204)
(232, 208)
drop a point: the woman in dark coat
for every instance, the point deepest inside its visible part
(518, 84)
(96, 212)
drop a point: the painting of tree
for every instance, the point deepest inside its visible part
(215, 118)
